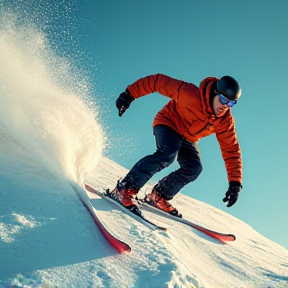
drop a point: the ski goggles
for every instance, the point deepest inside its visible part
(224, 101)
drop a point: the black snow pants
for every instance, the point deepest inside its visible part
(170, 145)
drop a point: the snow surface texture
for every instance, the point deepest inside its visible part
(49, 138)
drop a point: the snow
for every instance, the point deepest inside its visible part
(49, 240)
(50, 140)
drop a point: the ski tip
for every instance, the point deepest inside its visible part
(233, 237)
(225, 238)
(126, 249)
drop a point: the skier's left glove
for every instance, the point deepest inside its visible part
(233, 193)
(123, 102)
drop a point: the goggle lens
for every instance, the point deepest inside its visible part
(224, 101)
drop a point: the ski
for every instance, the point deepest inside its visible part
(134, 213)
(214, 234)
(119, 245)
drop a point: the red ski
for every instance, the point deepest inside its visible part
(214, 234)
(223, 237)
(119, 245)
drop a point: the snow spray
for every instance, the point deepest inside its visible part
(46, 110)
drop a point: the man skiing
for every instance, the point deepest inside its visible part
(191, 114)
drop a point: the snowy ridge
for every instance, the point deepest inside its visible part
(241, 263)
(59, 245)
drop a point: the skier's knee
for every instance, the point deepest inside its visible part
(166, 159)
(193, 171)
(198, 169)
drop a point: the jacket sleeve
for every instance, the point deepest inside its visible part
(160, 83)
(230, 149)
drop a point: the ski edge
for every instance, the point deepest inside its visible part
(115, 242)
(214, 234)
(149, 224)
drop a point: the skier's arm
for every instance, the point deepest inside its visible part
(160, 83)
(230, 149)
(231, 154)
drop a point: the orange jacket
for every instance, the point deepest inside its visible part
(190, 114)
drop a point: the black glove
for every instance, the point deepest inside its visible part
(233, 193)
(123, 102)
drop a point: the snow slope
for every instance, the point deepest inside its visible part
(47, 237)
(49, 138)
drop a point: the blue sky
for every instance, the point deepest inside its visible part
(117, 42)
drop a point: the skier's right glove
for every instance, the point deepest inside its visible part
(123, 102)
(233, 193)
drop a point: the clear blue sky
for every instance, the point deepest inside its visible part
(117, 42)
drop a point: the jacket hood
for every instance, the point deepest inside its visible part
(206, 90)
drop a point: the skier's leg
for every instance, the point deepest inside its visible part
(168, 143)
(190, 168)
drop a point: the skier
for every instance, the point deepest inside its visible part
(191, 114)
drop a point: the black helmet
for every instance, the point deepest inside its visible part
(229, 87)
